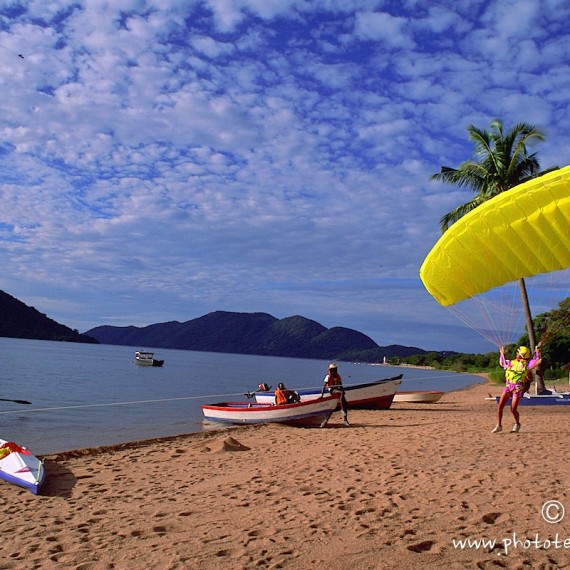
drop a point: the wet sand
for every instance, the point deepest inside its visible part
(396, 490)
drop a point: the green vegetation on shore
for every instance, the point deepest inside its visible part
(476, 363)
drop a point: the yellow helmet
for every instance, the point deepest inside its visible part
(524, 352)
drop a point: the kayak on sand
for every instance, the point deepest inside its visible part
(20, 467)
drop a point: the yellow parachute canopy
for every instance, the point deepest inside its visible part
(519, 233)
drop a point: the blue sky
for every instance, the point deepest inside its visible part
(160, 160)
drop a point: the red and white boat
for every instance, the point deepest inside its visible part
(314, 413)
(419, 397)
(377, 395)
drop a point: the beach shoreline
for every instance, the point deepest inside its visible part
(212, 430)
(401, 488)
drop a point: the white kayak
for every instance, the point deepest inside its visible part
(20, 467)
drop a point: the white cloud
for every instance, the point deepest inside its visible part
(245, 155)
(383, 27)
(211, 48)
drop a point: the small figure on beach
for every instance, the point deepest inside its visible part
(285, 396)
(516, 373)
(333, 383)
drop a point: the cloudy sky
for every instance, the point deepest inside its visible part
(163, 159)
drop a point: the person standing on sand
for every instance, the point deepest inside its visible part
(332, 383)
(515, 375)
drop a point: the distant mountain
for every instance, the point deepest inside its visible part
(17, 320)
(254, 333)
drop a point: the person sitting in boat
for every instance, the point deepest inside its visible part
(332, 383)
(516, 374)
(285, 396)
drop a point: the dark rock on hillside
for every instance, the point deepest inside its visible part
(17, 320)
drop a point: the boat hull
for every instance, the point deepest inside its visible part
(376, 395)
(147, 359)
(546, 400)
(304, 414)
(22, 468)
(146, 362)
(419, 397)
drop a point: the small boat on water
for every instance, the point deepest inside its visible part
(19, 467)
(314, 413)
(377, 395)
(145, 358)
(419, 397)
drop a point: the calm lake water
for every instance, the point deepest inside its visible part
(87, 395)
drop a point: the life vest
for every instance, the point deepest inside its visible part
(281, 396)
(333, 381)
(516, 372)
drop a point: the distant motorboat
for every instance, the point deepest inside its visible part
(145, 358)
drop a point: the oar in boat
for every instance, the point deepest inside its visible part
(15, 401)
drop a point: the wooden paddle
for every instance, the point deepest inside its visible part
(16, 401)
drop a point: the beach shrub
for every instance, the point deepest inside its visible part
(497, 376)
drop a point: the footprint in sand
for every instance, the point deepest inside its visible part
(490, 518)
(423, 546)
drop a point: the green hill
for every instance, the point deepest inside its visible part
(254, 333)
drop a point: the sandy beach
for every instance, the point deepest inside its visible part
(399, 489)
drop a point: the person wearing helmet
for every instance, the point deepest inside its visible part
(516, 373)
(332, 383)
(284, 396)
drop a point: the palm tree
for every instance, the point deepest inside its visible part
(501, 162)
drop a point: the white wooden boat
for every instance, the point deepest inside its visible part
(377, 395)
(314, 413)
(20, 467)
(418, 397)
(145, 358)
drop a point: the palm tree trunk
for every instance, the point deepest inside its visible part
(537, 372)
